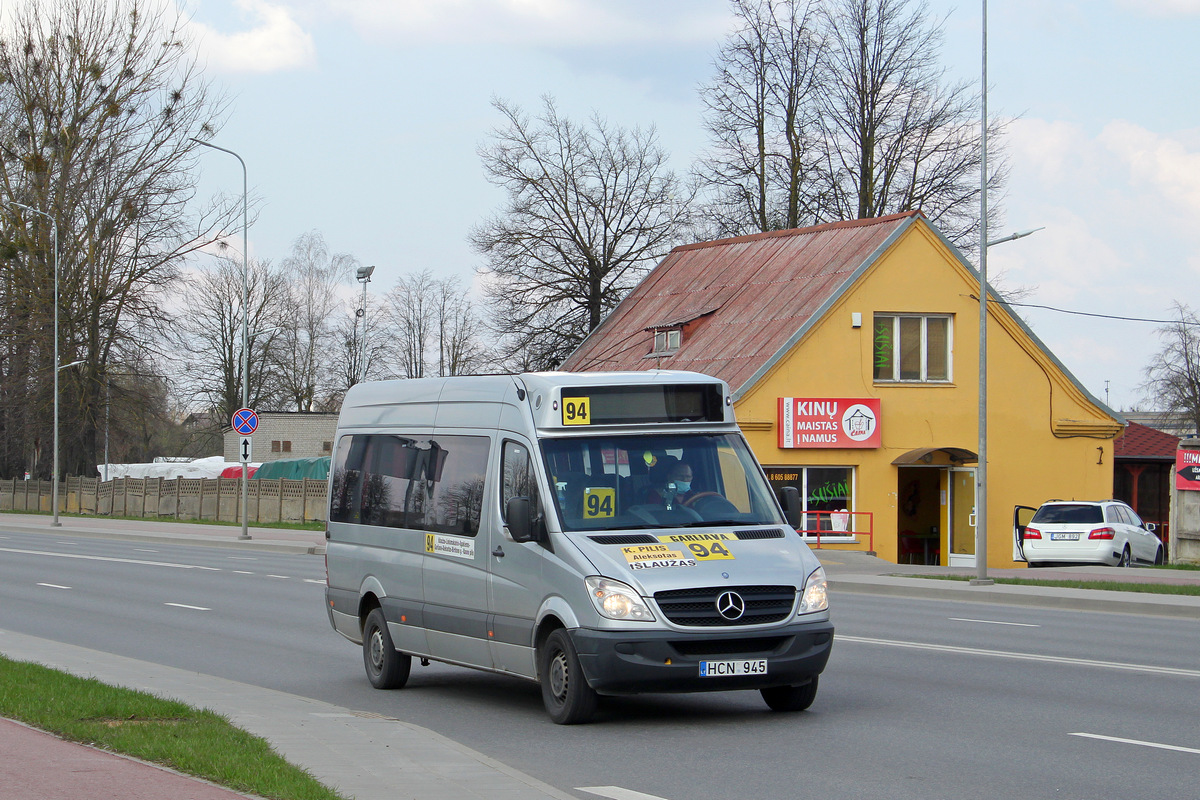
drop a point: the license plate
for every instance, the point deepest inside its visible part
(717, 669)
(1064, 537)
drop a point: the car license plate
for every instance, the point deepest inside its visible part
(716, 669)
(1064, 537)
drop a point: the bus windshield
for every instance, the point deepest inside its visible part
(669, 481)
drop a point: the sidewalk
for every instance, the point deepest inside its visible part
(369, 757)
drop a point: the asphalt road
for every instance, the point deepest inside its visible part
(921, 699)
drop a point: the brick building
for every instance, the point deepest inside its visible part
(286, 434)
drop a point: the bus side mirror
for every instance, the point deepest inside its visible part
(521, 526)
(792, 509)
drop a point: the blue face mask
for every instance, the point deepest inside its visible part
(683, 487)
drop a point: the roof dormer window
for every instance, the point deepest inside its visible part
(667, 341)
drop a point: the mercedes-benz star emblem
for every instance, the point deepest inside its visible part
(730, 605)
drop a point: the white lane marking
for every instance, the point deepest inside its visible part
(310, 580)
(975, 651)
(241, 558)
(994, 622)
(617, 793)
(106, 558)
(191, 608)
(284, 577)
(241, 572)
(1139, 743)
(53, 586)
(143, 550)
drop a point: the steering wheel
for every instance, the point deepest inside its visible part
(700, 495)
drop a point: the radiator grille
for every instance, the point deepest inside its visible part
(698, 607)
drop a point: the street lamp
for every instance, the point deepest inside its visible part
(981, 510)
(245, 323)
(364, 276)
(54, 478)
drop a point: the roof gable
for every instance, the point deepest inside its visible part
(753, 297)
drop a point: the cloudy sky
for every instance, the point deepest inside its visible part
(361, 119)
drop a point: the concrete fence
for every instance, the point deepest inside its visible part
(282, 500)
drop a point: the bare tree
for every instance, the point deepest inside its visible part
(412, 305)
(311, 279)
(824, 110)
(433, 327)
(589, 209)
(760, 113)
(208, 336)
(898, 136)
(1173, 376)
(98, 104)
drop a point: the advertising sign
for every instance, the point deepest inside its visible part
(1187, 469)
(837, 422)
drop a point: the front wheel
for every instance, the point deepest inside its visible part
(386, 668)
(565, 692)
(790, 698)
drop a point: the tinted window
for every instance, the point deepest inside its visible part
(431, 484)
(1065, 513)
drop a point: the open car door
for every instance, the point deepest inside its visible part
(1021, 517)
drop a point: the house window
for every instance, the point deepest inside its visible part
(278, 446)
(912, 348)
(326, 447)
(824, 493)
(275, 445)
(667, 341)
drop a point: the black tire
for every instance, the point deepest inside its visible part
(790, 698)
(1125, 561)
(1158, 558)
(568, 698)
(386, 668)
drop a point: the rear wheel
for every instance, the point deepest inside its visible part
(568, 698)
(790, 698)
(386, 668)
(1125, 559)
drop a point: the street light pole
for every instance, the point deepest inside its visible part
(364, 276)
(981, 552)
(245, 324)
(54, 478)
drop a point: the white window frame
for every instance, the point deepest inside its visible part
(924, 348)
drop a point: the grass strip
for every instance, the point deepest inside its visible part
(1109, 586)
(149, 728)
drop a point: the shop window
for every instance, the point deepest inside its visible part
(912, 348)
(824, 491)
(667, 341)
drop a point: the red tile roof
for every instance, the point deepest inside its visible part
(1142, 441)
(743, 300)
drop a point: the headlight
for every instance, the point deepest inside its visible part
(616, 600)
(816, 593)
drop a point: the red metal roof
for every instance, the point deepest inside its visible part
(742, 300)
(1142, 441)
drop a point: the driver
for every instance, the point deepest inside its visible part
(680, 475)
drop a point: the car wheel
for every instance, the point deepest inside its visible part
(386, 668)
(1125, 559)
(565, 692)
(1158, 557)
(790, 698)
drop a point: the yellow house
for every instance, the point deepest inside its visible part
(852, 351)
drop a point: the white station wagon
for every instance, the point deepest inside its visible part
(1088, 532)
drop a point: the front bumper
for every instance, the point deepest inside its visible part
(631, 662)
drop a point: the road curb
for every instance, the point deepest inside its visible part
(263, 545)
(1178, 606)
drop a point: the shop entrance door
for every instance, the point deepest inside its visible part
(961, 517)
